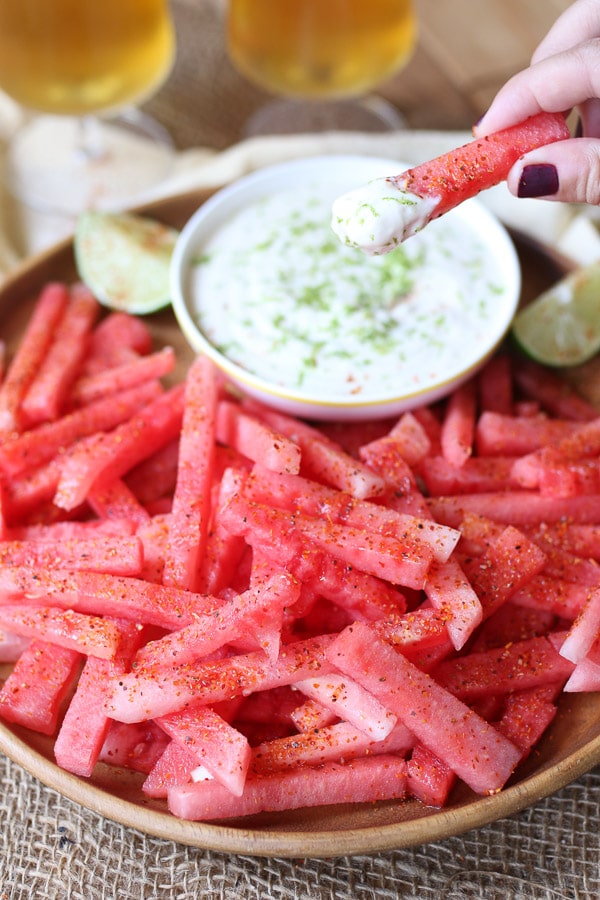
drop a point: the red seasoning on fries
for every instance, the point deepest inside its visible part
(386, 211)
(259, 616)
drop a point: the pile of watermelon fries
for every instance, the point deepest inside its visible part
(257, 613)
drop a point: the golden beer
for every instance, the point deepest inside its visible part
(74, 57)
(320, 48)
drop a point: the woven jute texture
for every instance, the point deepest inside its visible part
(52, 849)
(205, 101)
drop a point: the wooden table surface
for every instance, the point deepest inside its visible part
(466, 50)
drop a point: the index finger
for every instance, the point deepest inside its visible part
(580, 22)
(555, 84)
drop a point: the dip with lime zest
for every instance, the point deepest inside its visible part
(278, 294)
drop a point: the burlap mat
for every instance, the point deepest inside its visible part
(52, 848)
(204, 102)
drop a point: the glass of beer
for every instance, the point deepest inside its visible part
(78, 68)
(332, 53)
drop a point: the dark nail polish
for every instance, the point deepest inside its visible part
(538, 181)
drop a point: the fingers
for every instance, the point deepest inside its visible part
(554, 84)
(566, 171)
(564, 74)
(580, 22)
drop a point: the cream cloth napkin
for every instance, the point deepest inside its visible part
(24, 232)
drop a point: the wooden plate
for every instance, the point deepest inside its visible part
(570, 748)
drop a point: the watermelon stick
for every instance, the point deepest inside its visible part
(380, 215)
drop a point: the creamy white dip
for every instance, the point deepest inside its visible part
(275, 291)
(378, 216)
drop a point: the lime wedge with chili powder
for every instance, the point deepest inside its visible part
(562, 326)
(124, 259)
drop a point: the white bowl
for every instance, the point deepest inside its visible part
(439, 335)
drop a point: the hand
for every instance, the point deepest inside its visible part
(564, 73)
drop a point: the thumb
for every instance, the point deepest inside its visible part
(568, 171)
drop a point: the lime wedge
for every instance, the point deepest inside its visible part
(562, 326)
(124, 260)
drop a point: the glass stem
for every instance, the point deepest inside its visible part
(91, 146)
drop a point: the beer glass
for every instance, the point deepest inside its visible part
(77, 67)
(332, 53)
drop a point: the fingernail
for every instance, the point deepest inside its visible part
(538, 181)
(476, 124)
